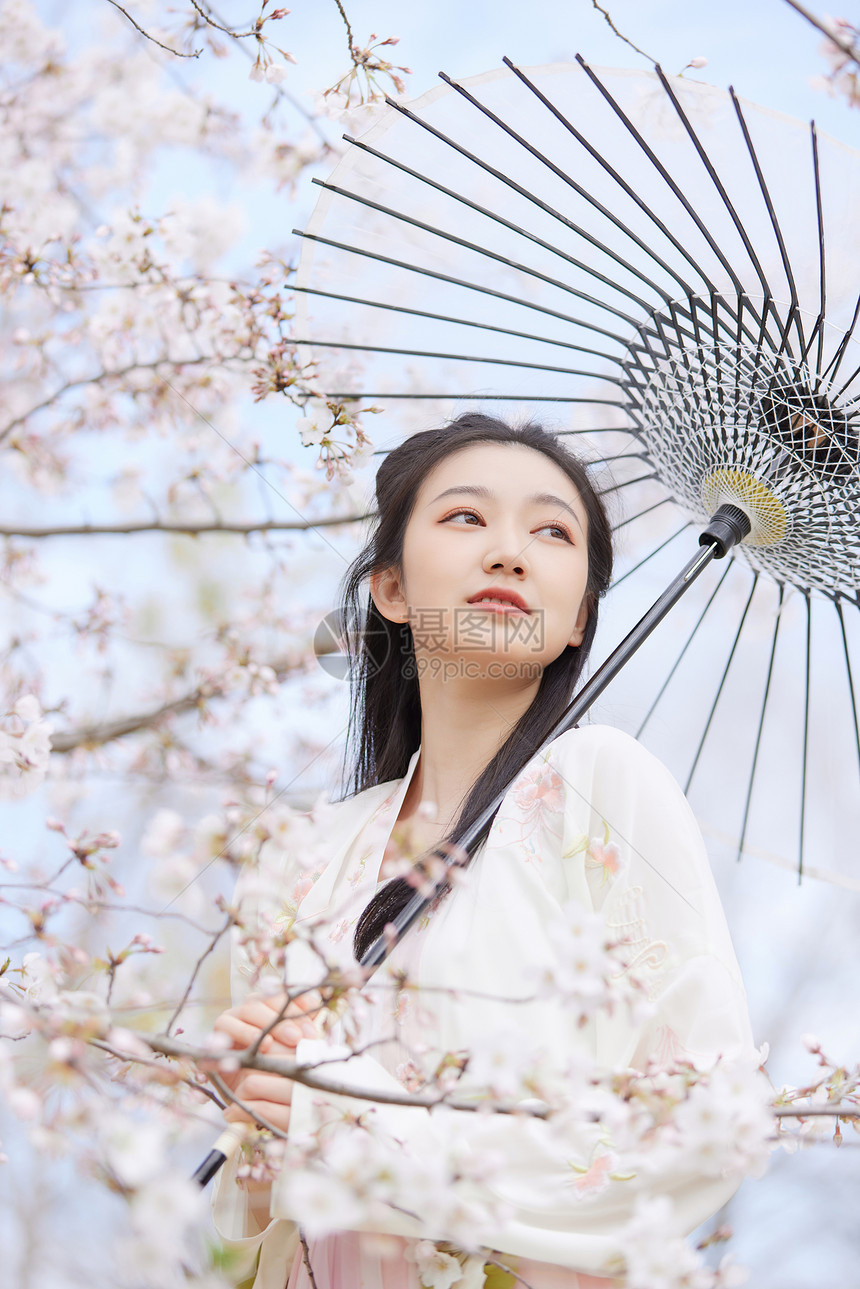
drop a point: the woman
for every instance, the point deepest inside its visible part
(485, 571)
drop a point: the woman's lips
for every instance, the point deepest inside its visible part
(499, 602)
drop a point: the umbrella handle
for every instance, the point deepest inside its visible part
(223, 1149)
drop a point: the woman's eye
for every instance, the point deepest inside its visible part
(557, 530)
(466, 516)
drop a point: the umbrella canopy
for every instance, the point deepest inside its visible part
(678, 270)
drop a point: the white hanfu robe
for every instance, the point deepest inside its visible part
(596, 819)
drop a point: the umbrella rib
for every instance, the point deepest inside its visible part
(652, 553)
(626, 483)
(850, 680)
(358, 395)
(532, 237)
(723, 679)
(856, 371)
(667, 178)
(836, 360)
(689, 641)
(600, 429)
(794, 314)
(721, 403)
(805, 736)
(565, 178)
(757, 748)
(465, 358)
(620, 456)
(661, 170)
(479, 250)
(524, 192)
(641, 513)
(462, 322)
(739, 330)
(470, 286)
(610, 170)
(717, 182)
(822, 265)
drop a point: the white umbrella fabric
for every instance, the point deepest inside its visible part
(675, 273)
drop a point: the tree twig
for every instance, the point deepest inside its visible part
(509, 1271)
(817, 1112)
(179, 526)
(349, 34)
(158, 1065)
(230, 1096)
(177, 53)
(210, 22)
(195, 973)
(852, 50)
(620, 34)
(306, 1258)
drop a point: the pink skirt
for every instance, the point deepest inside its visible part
(352, 1261)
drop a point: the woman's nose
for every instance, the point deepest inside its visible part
(506, 558)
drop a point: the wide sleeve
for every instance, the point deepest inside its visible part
(632, 849)
(294, 878)
(598, 821)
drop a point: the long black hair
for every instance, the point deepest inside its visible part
(385, 716)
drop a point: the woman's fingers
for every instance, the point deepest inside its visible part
(277, 1115)
(256, 1085)
(265, 1096)
(240, 1033)
(243, 1025)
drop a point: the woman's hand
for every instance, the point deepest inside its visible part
(265, 1095)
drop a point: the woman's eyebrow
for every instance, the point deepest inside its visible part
(538, 498)
(547, 499)
(474, 490)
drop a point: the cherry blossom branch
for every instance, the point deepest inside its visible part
(281, 93)
(305, 1074)
(830, 30)
(817, 1112)
(92, 735)
(187, 526)
(111, 1050)
(176, 52)
(97, 379)
(196, 972)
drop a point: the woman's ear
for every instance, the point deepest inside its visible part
(386, 591)
(578, 633)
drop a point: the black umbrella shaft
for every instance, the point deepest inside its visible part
(728, 526)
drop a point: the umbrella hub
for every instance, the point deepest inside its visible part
(728, 416)
(767, 515)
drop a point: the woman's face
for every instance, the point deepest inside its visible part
(495, 562)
